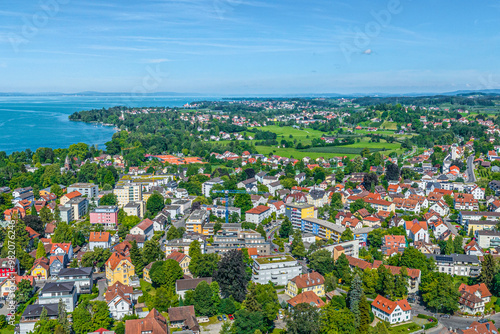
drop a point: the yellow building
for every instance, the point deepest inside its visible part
(183, 260)
(306, 282)
(119, 268)
(196, 221)
(145, 273)
(298, 211)
(40, 269)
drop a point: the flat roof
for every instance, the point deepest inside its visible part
(274, 259)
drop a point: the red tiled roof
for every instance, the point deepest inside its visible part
(258, 210)
(99, 237)
(306, 280)
(388, 306)
(308, 297)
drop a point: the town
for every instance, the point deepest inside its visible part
(259, 216)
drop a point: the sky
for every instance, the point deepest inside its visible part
(226, 47)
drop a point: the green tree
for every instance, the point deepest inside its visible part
(347, 235)
(40, 250)
(108, 199)
(322, 262)
(164, 299)
(136, 257)
(231, 275)
(286, 228)
(439, 292)
(45, 215)
(243, 201)
(207, 265)
(62, 317)
(155, 203)
(364, 315)
(165, 273)
(24, 292)
(342, 269)
(152, 252)
(385, 283)
(247, 322)
(303, 319)
(297, 245)
(401, 283)
(203, 300)
(334, 320)
(354, 297)
(96, 258)
(488, 271)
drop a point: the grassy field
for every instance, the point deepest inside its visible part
(389, 125)
(296, 154)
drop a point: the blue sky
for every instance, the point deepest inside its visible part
(249, 47)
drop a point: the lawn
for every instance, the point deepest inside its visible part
(406, 328)
(296, 154)
(389, 125)
(145, 286)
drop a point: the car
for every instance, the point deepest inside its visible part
(430, 320)
(219, 318)
(279, 311)
(281, 316)
(230, 316)
(276, 249)
(224, 317)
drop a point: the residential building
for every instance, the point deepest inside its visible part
(40, 269)
(56, 263)
(207, 186)
(8, 267)
(32, 314)
(52, 292)
(144, 228)
(82, 277)
(391, 311)
(128, 192)
(180, 245)
(465, 202)
(80, 207)
(393, 244)
(196, 221)
(183, 260)
(69, 196)
(119, 300)
(417, 230)
(488, 239)
(473, 298)
(107, 216)
(66, 213)
(119, 268)
(189, 284)
(63, 248)
(99, 240)
(153, 323)
(349, 248)
(381, 205)
(258, 214)
(317, 197)
(464, 216)
(321, 228)
(276, 269)
(86, 189)
(296, 212)
(472, 248)
(312, 281)
(457, 264)
(135, 209)
(308, 297)
(184, 317)
(230, 240)
(479, 328)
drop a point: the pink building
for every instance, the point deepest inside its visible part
(106, 216)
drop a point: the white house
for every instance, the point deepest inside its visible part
(440, 207)
(392, 312)
(145, 228)
(478, 192)
(119, 300)
(417, 230)
(258, 214)
(99, 240)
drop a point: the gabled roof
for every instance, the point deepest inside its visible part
(64, 246)
(145, 224)
(306, 280)
(154, 323)
(177, 256)
(73, 194)
(481, 287)
(115, 260)
(99, 237)
(308, 297)
(258, 210)
(388, 306)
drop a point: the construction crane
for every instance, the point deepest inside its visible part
(227, 192)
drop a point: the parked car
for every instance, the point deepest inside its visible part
(219, 318)
(230, 316)
(276, 249)
(224, 317)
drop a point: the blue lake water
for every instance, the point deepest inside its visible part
(42, 121)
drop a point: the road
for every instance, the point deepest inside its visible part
(453, 322)
(470, 169)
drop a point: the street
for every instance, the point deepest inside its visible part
(470, 169)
